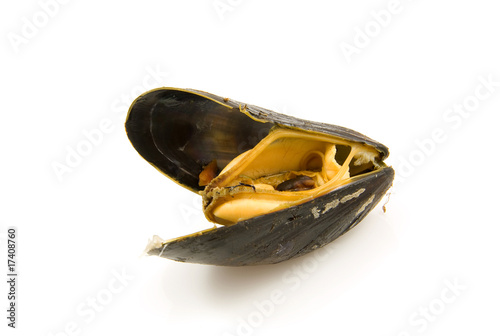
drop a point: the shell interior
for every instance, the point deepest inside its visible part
(286, 168)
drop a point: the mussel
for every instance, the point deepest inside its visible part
(279, 187)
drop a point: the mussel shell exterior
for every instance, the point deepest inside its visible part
(284, 234)
(179, 131)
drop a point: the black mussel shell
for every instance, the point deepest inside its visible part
(180, 131)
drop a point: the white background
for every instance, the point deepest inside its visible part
(81, 234)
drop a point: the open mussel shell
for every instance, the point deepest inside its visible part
(181, 132)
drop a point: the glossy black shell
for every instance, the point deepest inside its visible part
(284, 234)
(180, 131)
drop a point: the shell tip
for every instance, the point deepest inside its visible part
(153, 243)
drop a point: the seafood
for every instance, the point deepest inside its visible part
(277, 186)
